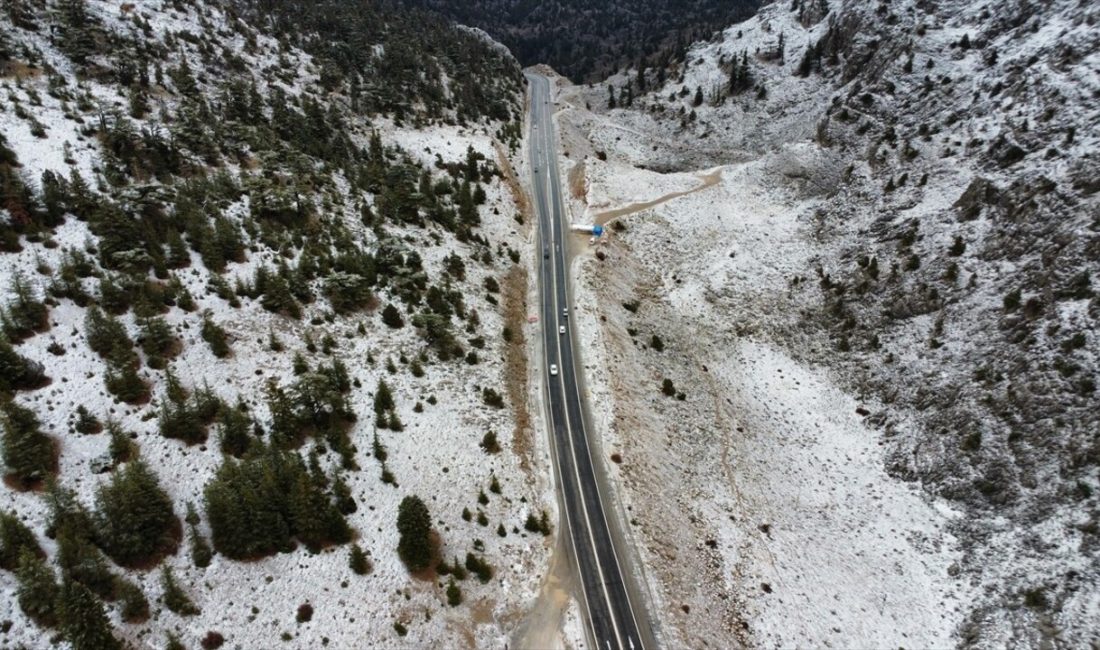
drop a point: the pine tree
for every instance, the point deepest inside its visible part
(414, 525)
(358, 561)
(234, 436)
(122, 379)
(135, 606)
(83, 620)
(256, 506)
(134, 517)
(83, 562)
(16, 371)
(107, 336)
(383, 398)
(86, 422)
(28, 454)
(175, 598)
(201, 553)
(15, 538)
(121, 447)
(213, 334)
(454, 594)
(610, 97)
(26, 313)
(345, 503)
(157, 341)
(479, 567)
(37, 591)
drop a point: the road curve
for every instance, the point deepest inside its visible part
(609, 613)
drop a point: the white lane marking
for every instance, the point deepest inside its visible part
(555, 183)
(556, 233)
(546, 353)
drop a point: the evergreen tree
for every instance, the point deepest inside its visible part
(358, 560)
(78, 30)
(234, 437)
(454, 594)
(201, 553)
(86, 422)
(345, 503)
(213, 334)
(479, 567)
(134, 517)
(157, 341)
(610, 97)
(256, 507)
(37, 591)
(82, 562)
(122, 379)
(26, 313)
(28, 453)
(83, 620)
(175, 598)
(121, 447)
(107, 336)
(415, 526)
(15, 538)
(135, 606)
(392, 317)
(383, 398)
(16, 371)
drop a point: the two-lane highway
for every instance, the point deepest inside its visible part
(606, 601)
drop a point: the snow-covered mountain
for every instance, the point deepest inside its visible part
(860, 240)
(261, 282)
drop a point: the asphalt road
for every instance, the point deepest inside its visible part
(606, 600)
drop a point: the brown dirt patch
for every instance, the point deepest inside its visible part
(576, 182)
(514, 293)
(706, 180)
(19, 70)
(515, 362)
(519, 195)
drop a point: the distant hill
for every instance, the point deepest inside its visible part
(587, 41)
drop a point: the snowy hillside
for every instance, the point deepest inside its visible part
(223, 258)
(860, 241)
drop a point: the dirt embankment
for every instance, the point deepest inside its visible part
(514, 292)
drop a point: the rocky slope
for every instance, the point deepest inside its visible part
(285, 280)
(907, 212)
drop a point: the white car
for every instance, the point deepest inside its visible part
(565, 312)
(554, 369)
(561, 329)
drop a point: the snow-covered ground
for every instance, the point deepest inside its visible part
(783, 524)
(437, 455)
(800, 495)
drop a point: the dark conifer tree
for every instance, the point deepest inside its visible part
(135, 520)
(37, 591)
(15, 538)
(83, 620)
(175, 598)
(358, 561)
(28, 453)
(415, 526)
